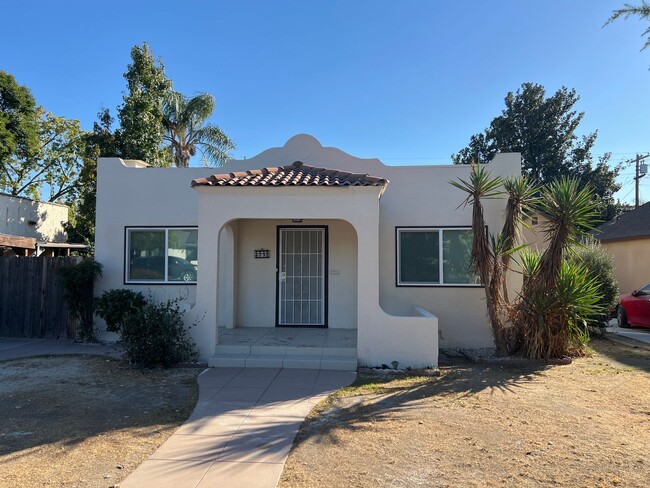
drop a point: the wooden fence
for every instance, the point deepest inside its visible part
(31, 298)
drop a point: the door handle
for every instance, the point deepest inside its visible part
(283, 276)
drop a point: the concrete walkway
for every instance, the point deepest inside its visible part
(14, 348)
(241, 430)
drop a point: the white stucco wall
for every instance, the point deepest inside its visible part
(16, 213)
(411, 340)
(140, 196)
(416, 196)
(256, 294)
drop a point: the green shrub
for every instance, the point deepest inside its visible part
(552, 324)
(114, 305)
(600, 267)
(78, 282)
(155, 334)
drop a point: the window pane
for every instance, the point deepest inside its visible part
(182, 255)
(147, 255)
(456, 257)
(419, 257)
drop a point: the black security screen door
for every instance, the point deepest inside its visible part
(301, 276)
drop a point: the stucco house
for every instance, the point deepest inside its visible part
(302, 256)
(627, 239)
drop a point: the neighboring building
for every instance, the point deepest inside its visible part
(31, 227)
(302, 236)
(627, 239)
(532, 232)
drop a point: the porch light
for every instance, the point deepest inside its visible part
(296, 221)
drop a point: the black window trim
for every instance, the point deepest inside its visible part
(428, 285)
(126, 253)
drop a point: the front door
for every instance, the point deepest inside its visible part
(301, 276)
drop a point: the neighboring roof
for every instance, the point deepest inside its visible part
(297, 174)
(8, 240)
(631, 225)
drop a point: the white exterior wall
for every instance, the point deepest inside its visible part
(139, 196)
(256, 278)
(17, 212)
(410, 340)
(416, 196)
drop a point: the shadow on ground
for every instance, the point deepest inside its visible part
(65, 400)
(458, 380)
(626, 353)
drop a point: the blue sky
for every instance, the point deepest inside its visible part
(405, 81)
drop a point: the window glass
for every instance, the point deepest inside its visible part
(420, 251)
(182, 252)
(457, 256)
(419, 256)
(147, 255)
(154, 252)
(645, 290)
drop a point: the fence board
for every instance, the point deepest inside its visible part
(31, 298)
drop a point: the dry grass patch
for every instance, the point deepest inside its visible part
(586, 424)
(85, 421)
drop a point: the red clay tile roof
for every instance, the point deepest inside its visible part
(298, 174)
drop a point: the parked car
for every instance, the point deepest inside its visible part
(634, 308)
(153, 268)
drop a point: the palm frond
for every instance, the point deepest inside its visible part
(186, 131)
(200, 108)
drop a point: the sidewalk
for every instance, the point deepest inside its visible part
(638, 336)
(241, 430)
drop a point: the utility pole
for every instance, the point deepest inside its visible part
(641, 170)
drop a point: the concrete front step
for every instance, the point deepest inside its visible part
(311, 358)
(285, 350)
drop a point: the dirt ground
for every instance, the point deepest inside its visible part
(586, 424)
(85, 421)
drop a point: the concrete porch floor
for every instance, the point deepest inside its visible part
(286, 347)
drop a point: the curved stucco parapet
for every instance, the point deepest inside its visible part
(307, 149)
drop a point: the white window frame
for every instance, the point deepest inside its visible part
(398, 268)
(127, 256)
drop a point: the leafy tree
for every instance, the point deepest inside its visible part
(628, 10)
(184, 120)
(38, 149)
(19, 127)
(18, 119)
(141, 114)
(100, 142)
(543, 129)
(56, 162)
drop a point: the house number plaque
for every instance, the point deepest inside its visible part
(262, 253)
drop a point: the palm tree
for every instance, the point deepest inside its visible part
(485, 254)
(186, 130)
(557, 296)
(642, 11)
(522, 195)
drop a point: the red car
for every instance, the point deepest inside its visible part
(634, 308)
